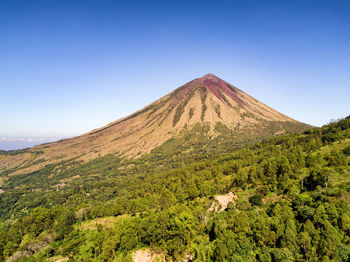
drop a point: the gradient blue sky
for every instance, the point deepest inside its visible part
(67, 67)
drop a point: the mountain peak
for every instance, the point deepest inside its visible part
(205, 104)
(209, 75)
(215, 85)
(207, 80)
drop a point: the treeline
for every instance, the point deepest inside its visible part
(293, 205)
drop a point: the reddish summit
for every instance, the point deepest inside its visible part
(219, 87)
(209, 75)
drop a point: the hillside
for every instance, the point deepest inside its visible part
(205, 114)
(284, 199)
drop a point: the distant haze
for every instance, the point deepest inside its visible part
(13, 143)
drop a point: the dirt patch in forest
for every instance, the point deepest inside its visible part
(58, 259)
(147, 255)
(221, 201)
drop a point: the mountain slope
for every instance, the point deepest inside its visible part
(207, 103)
(284, 199)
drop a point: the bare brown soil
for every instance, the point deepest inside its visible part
(147, 255)
(221, 202)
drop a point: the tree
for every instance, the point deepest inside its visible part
(220, 251)
(330, 241)
(281, 255)
(64, 224)
(336, 158)
(305, 242)
(166, 199)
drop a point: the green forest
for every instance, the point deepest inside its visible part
(292, 204)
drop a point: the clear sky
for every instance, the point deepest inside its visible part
(69, 66)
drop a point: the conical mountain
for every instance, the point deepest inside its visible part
(207, 108)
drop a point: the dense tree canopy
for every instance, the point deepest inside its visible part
(292, 204)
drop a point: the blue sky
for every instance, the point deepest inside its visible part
(67, 67)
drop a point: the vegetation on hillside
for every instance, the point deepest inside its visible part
(292, 205)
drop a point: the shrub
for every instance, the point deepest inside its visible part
(256, 200)
(346, 151)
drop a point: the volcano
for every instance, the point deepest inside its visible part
(205, 109)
